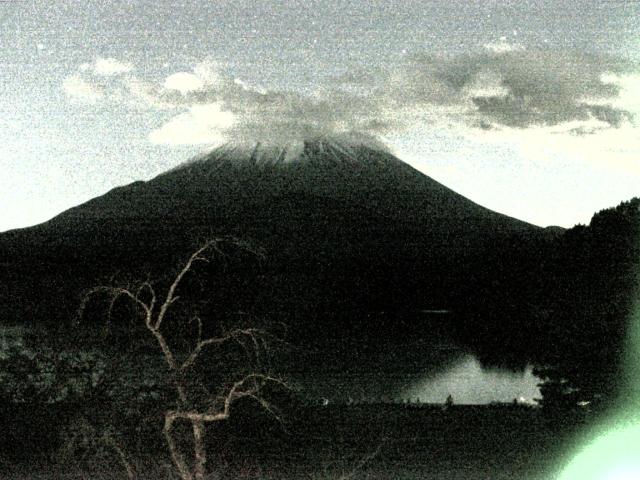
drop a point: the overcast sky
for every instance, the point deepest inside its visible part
(529, 108)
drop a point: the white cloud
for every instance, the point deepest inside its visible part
(97, 81)
(110, 66)
(78, 88)
(183, 82)
(246, 87)
(205, 75)
(219, 107)
(503, 45)
(209, 72)
(503, 93)
(201, 124)
(629, 95)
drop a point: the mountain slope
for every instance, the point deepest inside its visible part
(348, 231)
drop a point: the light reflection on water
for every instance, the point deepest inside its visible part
(469, 383)
(463, 378)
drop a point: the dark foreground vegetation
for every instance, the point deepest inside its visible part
(176, 373)
(374, 441)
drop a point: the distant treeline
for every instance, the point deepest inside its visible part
(562, 302)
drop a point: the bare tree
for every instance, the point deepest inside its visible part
(154, 308)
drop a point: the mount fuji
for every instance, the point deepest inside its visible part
(350, 234)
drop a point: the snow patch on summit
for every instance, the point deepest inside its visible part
(337, 150)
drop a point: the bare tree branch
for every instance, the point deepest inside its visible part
(363, 461)
(171, 297)
(200, 460)
(198, 320)
(176, 456)
(201, 344)
(233, 394)
(115, 293)
(110, 441)
(253, 340)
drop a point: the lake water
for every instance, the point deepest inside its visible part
(469, 383)
(427, 366)
(464, 378)
(447, 370)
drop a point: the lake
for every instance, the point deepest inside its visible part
(464, 378)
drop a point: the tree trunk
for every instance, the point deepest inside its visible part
(199, 449)
(176, 456)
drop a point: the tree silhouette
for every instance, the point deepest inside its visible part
(591, 292)
(194, 402)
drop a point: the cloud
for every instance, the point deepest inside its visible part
(505, 87)
(202, 124)
(78, 88)
(183, 82)
(203, 77)
(214, 106)
(248, 115)
(502, 45)
(110, 66)
(498, 88)
(96, 81)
